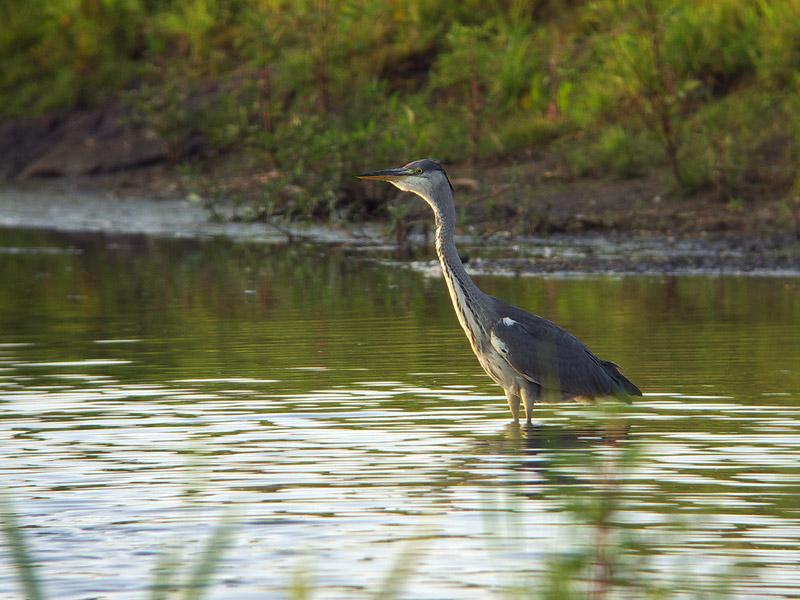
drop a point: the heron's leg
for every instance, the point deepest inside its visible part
(529, 397)
(513, 404)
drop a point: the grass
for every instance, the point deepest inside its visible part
(199, 574)
(167, 582)
(20, 554)
(599, 555)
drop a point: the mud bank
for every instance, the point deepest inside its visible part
(571, 255)
(40, 207)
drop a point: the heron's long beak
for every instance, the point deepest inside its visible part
(385, 174)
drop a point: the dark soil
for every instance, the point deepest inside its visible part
(564, 254)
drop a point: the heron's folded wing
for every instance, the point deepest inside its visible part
(546, 354)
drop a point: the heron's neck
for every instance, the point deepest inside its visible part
(467, 299)
(446, 249)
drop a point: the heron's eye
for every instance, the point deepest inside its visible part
(418, 171)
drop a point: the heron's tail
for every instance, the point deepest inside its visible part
(623, 383)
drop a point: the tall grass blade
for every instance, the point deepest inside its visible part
(164, 576)
(209, 560)
(300, 587)
(396, 578)
(18, 549)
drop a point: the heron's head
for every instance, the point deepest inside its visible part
(424, 177)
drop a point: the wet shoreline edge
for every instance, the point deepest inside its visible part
(613, 253)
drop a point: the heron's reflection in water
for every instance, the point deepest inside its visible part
(536, 461)
(543, 440)
(578, 474)
(552, 438)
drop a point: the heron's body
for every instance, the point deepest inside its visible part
(527, 355)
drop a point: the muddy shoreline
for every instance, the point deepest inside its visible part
(616, 253)
(60, 209)
(564, 255)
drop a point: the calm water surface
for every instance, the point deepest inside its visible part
(332, 408)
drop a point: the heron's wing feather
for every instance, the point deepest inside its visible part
(543, 352)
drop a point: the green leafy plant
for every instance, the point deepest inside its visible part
(311, 89)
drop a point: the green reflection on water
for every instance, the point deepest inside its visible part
(327, 388)
(212, 309)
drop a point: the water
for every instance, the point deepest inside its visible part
(330, 406)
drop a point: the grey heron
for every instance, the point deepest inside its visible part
(527, 355)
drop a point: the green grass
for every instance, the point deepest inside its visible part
(172, 577)
(20, 555)
(600, 554)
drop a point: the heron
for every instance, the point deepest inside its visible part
(528, 356)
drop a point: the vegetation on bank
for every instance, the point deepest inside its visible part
(307, 92)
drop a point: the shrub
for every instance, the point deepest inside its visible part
(313, 86)
(624, 153)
